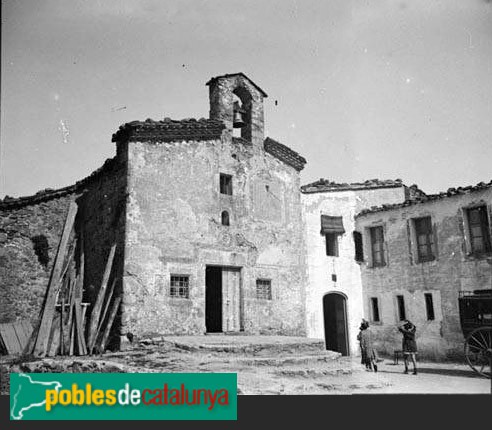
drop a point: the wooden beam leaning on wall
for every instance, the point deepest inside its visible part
(38, 344)
(96, 310)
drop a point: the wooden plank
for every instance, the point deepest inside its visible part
(107, 329)
(71, 344)
(53, 346)
(62, 316)
(69, 325)
(106, 307)
(96, 310)
(26, 328)
(10, 339)
(77, 337)
(46, 320)
(79, 331)
(22, 333)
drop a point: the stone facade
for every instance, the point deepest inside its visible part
(338, 274)
(452, 267)
(174, 222)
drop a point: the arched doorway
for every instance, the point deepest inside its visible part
(335, 318)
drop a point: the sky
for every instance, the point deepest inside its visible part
(364, 89)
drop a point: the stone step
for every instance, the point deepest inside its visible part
(328, 356)
(314, 372)
(247, 345)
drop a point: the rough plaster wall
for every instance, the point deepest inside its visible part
(23, 278)
(103, 212)
(321, 267)
(452, 272)
(173, 227)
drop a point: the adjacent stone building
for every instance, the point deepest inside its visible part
(334, 299)
(207, 222)
(418, 256)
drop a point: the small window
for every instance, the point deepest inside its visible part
(425, 239)
(429, 306)
(331, 244)
(359, 250)
(375, 309)
(264, 289)
(377, 246)
(180, 286)
(478, 224)
(225, 218)
(401, 308)
(225, 184)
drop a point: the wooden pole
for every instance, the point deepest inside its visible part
(46, 319)
(107, 329)
(96, 310)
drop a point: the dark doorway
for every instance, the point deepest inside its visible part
(213, 299)
(335, 316)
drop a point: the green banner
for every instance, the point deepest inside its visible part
(123, 396)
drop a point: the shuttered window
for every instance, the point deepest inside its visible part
(478, 224)
(377, 246)
(425, 239)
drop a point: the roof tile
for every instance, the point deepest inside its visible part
(169, 130)
(284, 154)
(325, 185)
(428, 197)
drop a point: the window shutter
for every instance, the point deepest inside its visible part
(332, 225)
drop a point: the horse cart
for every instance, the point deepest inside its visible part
(476, 323)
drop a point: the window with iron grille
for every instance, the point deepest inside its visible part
(377, 246)
(429, 306)
(264, 289)
(375, 309)
(225, 184)
(401, 308)
(425, 239)
(478, 224)
(180, 286)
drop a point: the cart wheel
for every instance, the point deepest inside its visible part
(478, 350)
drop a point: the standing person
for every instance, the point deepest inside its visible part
(366, 347)
(409, 345)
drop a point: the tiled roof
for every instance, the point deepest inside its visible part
(50, 194)
(325, 185)
(231, 75)
(284, 154)
(169, 130)
(429, 198)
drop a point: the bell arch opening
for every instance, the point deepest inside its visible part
(242, 104)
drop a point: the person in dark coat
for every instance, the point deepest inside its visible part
(368, 353)
(409, 345)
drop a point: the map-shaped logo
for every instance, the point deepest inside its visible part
(30, 394)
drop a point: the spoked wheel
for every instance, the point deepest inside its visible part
(478, 350)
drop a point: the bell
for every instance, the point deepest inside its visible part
(238, 121)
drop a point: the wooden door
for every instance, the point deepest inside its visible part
(230, 299)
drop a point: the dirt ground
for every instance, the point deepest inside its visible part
(280, 369)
